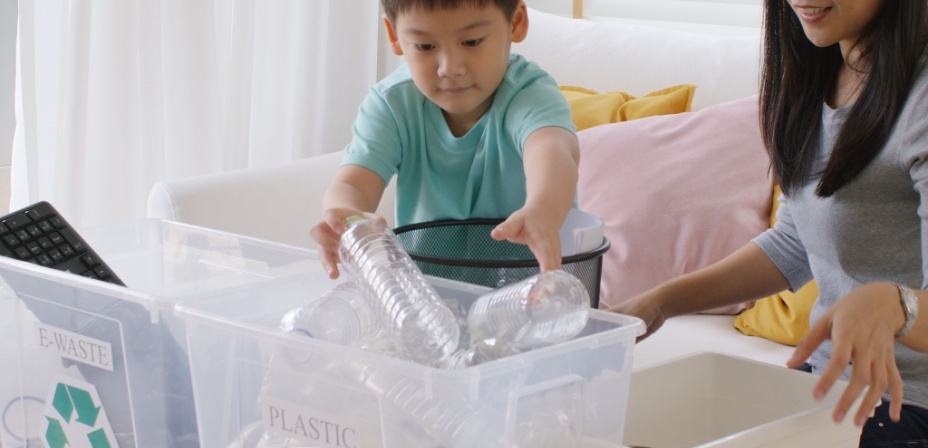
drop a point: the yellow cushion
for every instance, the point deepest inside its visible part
(782, 317)
(591, 108)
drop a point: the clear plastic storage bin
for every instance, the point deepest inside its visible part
(716, 400)
(93, 364)
(256, 386)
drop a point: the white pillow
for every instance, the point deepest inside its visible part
(637, 59)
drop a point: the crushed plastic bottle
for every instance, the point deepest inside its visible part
(342, 316)
(451, 421)
(478, 353)
(544, 309)
(408, 308)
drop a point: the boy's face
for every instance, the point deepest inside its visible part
(458, 57)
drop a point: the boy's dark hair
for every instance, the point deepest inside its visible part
(394, 7)
(798, 76)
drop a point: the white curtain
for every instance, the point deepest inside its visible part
(115, 95)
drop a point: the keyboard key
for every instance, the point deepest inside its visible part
(72, 265)
(34, 230)
(40, 211)
(10, 240)
(34, 247)
(72, 238)
(17, 221)
(89, 260)
(67, 251)
(46, 243)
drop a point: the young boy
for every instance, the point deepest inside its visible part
(470, 131)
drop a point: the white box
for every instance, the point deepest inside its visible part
(717, 400)
(257, 386)
(84, 359)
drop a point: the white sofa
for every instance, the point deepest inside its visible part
(280, 203)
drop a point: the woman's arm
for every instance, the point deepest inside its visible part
(746, 274)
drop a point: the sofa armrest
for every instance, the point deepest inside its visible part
(277, 203)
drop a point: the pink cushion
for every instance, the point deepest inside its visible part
(676, 193)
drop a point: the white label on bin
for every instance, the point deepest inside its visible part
(76, 347)
(300, 422)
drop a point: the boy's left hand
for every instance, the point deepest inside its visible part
(539, 232)
(550, 156)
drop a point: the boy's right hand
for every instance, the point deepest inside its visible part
(327, 235)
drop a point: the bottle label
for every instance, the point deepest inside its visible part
(309, 425)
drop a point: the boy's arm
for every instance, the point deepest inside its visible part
(551, 156)
(355, 190)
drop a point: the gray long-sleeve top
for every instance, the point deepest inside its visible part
(873, 229)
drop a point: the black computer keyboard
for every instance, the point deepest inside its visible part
(40, 235)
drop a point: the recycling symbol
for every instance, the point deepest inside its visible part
(76, 418)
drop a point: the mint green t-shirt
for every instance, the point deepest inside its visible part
(400, 132)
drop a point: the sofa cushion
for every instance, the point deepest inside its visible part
(676, 193)
(638, 58)
(590, 108)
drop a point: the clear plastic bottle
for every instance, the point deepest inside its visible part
(544, 309)
(449, 421)
(411, 312)
(479, 352)
(341, 315)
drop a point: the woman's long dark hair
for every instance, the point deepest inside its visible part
(797, 78)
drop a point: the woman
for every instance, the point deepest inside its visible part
(844, 116)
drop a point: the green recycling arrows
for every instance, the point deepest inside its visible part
(98, 439)
(55, 435)
(86, 411)
(74, 417)
(62, 402)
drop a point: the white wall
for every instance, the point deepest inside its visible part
(560, 7)
(8, 15)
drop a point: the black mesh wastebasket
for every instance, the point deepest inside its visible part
(465, 252)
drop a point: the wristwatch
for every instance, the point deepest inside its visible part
(910, 306)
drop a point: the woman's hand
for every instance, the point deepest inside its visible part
(645, 307)
(862, 327)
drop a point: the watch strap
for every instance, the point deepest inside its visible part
(910, 306)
